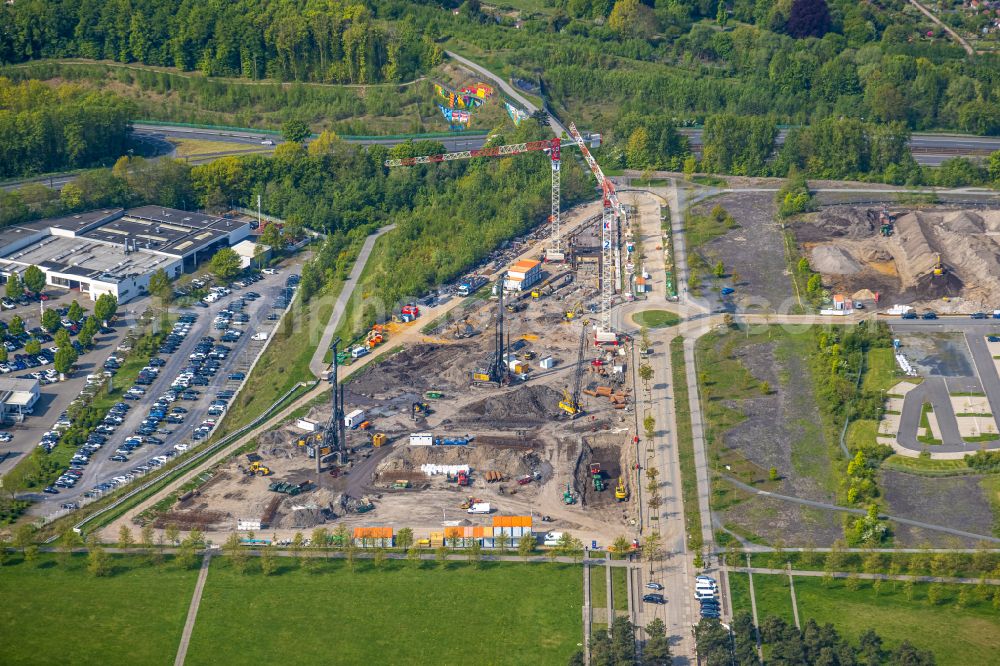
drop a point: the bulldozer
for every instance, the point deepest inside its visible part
(621, 493)
(258, 468)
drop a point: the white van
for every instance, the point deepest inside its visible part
(259, 336)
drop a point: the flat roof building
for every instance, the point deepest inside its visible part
(17, 397)
(116, 251)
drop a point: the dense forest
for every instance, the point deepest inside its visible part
(308, 40)
(596, 60)
(46, 128)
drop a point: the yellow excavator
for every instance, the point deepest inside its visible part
(568, 405)
(621, 493)
(573, 311)
(939, 268)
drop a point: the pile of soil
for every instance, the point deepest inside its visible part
(834, 260)
(525, 405)
(509, 462)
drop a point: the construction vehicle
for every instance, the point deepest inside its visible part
(401, 484)
(433, 395)
(496, 373)
(463, 478)
(621, 493)
(571, 313)
(536, 294)
(259, 468)
(596, 476)
(528, 355)
(883, 219)
(939, 268)
(571, 402)
(419, 409)
(568, 497)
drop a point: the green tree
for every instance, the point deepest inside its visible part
(14, 288)
(160, 287)
(994, 167)
(24, 536)
(621, 545)
(441, 556)
(719, 270)
(125, 538)
(50, 320)
(187, 555)
(105, 307)
(225, 263)
(32, 347)
(233, 550)
(87, 332)
(268, 565)
(630, 18)
(172, 533)
(413, 556)
(272, 237)
(98, 560)
(34, 279)
(656, 651)
(16, 326)
(526, 546)
(64, 359)
(379, 559)
(74, 312)
(404, 538)
(68, 541)
(3, 354)
(646, 373)
(295, 131)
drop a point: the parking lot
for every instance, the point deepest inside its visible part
(55, 397)
(180, 395)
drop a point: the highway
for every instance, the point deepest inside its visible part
(928, 149)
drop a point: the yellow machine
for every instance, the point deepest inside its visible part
(480, 377)
(568, 405)
(939, 267)
(573, 311)
(378, 439)
(259, 469)
(536, 294)
(621, 493)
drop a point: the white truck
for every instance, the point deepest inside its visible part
(552, 538)
(480, 507)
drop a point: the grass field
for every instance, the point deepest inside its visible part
(656, 318)
(499, 614)
(198, 147)
(967, 635)
(685, 445)
(619, 588)
(926, 466)
(55, 614)
(739, 592)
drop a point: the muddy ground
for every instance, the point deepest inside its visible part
(754, 250)
(958, 502)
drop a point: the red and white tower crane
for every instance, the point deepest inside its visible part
(552, 146)
(613, 212)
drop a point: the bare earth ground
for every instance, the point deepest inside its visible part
(755, 251)
(845, 246)
(517, 431)
(957, 502)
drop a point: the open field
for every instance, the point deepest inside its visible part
(957, 636)
(54, 613)
(685, 445)
(501, 613)
(198, 147)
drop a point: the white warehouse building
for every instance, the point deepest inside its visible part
(116, 251)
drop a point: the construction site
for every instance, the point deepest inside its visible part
(944, 258)
(518, 403)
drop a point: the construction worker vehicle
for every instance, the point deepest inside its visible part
(259, 469)
(621, 492)
(570, 403)
(939, 268)
(596, 476)
(399, 484)
(568, 496)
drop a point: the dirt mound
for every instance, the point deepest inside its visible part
(964, 222)
(939, 286)
(843, 222)
(873, 255)
(523, 405)
(833, 260)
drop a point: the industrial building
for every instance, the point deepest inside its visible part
(523, 275)
(17, 397)
(249, 253)
(115, 251)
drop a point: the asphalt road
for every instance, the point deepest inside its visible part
(102, 469)
(927, 149)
